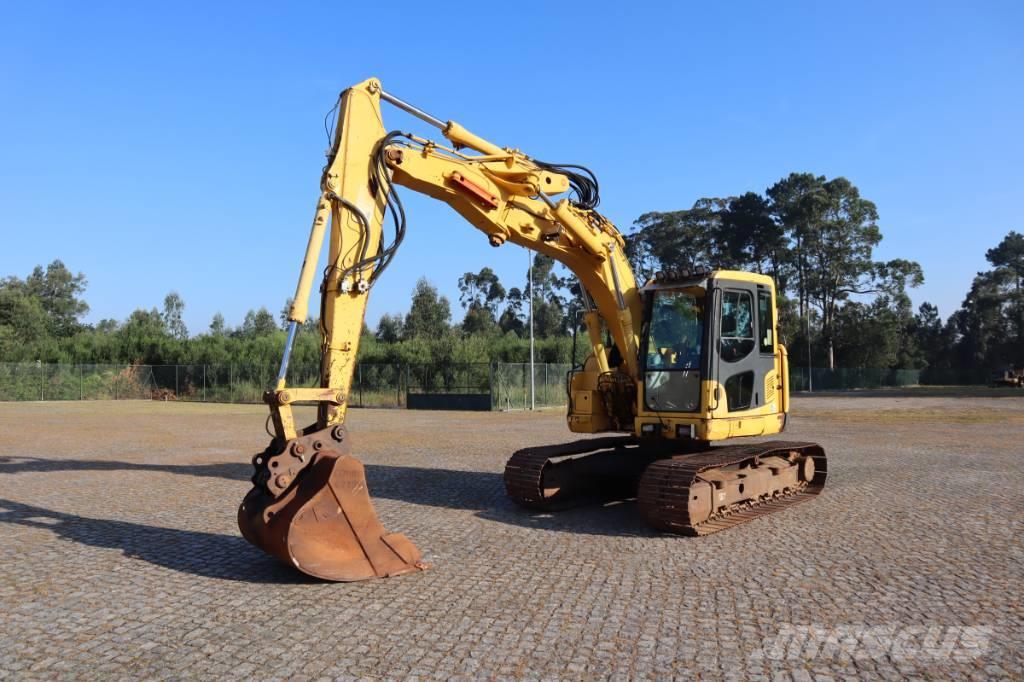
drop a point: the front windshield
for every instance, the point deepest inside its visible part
(673, 350)
(676, 330)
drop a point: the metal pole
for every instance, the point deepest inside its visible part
(204, 383)
(42, 381)
(175, 382)
(410, 109)
(807, 327)
(533, 387)
(231, 384)
(81, 384)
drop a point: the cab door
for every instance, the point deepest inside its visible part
(742, 353)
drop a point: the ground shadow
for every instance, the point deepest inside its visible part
(482, 492)
(238, 471)
(209, 555)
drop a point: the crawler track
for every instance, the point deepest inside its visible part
(664, 490)
(555, 477)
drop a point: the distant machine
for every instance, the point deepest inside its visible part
(690, 357)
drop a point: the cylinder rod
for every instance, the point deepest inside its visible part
(293, 327)
(418, 113)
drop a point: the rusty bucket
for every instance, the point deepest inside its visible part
(310, 508)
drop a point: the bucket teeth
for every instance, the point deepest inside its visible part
(323, 522)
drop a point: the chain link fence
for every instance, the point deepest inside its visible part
(380, 384)
(373, 384)
(824, 379)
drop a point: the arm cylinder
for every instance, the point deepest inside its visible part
(300, 304)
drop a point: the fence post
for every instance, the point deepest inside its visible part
(546, 402)
(81, 383)
(204, 383)
(42, 382)
(231, 384)
(175, 382)
(359, 369)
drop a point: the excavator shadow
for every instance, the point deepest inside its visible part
(482, 492)
(210, 555)
(239, 471)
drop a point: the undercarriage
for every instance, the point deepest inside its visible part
(694, 492)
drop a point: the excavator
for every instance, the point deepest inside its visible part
(688, 358)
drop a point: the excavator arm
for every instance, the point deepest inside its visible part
(309, 504)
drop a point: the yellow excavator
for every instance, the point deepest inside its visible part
(688, 358)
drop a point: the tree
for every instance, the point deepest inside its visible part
(258, 323)
(429, 313)
(389, 328)
(479, 320)
(798, 204)
(174, 306)
(1009, 253)
(23, 319)
(748, 237)
(142, 338)
(677, 239)
(107, 326)
(1008, 259)
(57, 291)
(481, 290)
(990, 322)
(217, 327)
(935, 339)
(480, 293)
(511, 319)
(837, 257)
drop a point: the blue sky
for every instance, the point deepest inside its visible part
(178, 146)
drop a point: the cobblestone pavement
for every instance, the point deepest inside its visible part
(121, 559)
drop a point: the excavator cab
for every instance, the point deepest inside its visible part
(709, 356)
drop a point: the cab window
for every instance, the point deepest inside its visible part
(737, 325)
(676, 328)
(764, 321)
